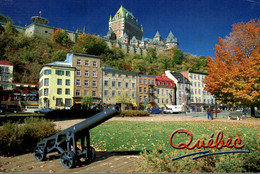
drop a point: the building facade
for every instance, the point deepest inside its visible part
(165, 91)
(182, 88)
(119, 83)
(146, 90)
(6, 74)
(200, 99)
(87, 75)
(56, 85)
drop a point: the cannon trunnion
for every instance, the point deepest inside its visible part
(73, 143)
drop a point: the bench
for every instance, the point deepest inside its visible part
(236, 114)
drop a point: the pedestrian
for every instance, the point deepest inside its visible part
(209, 110)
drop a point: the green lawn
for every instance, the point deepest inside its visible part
(142, 136)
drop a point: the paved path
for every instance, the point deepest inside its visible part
(104, 162)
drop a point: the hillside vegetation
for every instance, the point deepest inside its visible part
(28, 54)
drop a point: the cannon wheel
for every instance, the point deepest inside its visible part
(90, 157)
(68, 159)
(39, 153)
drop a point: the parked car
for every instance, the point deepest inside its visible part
(155, 111)
(43, 111)
(168, 111)
(3, 108)
(10, 108)
(31, 109)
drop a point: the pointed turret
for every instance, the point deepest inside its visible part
(110, 19)
(157, 37)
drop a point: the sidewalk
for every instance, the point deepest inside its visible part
(104, 162)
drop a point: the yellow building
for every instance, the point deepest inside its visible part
(56, 85)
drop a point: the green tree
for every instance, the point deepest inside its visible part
(90, 44)
(87, 101)
(123, 98)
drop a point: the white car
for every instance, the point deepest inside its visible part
(168, 111)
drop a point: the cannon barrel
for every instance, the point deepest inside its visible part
(94, 120)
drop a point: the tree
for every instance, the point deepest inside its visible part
(234, 75)
(90, 44)
(87, 101)
(123, 98)
(61, 37)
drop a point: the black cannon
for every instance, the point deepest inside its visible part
(73, 143)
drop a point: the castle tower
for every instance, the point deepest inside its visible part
(157, 37)
(125, 22)
(171, 41)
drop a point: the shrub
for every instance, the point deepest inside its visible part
(20, 138)
(133, 113)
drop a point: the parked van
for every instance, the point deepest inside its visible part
(175, 108)
(31, 108)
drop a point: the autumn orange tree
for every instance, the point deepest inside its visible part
(233, 75)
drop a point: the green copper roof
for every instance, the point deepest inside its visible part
(157, 34)
(122, 13)
(171, 38)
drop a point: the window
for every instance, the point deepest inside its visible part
(86, 73)
(133, 76)
(119, 84)
(119, 93)
(158, 91)
(77, 93)
(59, 72)
(180, 93)
(199, 91)
(126, 85)
(195, 84)
(46, 82)
(163, 83)
(105, 83)
(149, 82)
(158, 83)
(94, 73)
(86, 62)
(113, 83)
(198, 77)
(58, 102)
(4, 78)
(126, 75)
(145, 81)
(67, 82)
(162, 101)
(113, 93)
(59, 81)
(153, 82)
(94, 63)
(191, 76)
(94, 93)
(46, 91)
(59, 91)
(47, 72)
(86, 83)
(140, 89)
(191, 83)
(140, 81)
(94, 83)
(166, 101)
(198, 84)
(119, 75)
(67, 73)
(133, 85)
(67, 102)
(77, 82)
(162, 91)
(67, 91)
(149, 90)
(195, 91)
(167, 92)
(77, 72)
(105, 92)
(145, 90)
(85, 92)
(133, 93)
(140, 98)
(78, 62)
(113, 74)
(194, 76)
(106, 73)
(171, 84)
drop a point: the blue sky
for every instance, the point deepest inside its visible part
(196, 23)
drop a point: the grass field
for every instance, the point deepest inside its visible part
(154, 136)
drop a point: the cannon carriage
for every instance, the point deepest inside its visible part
(73, 143)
